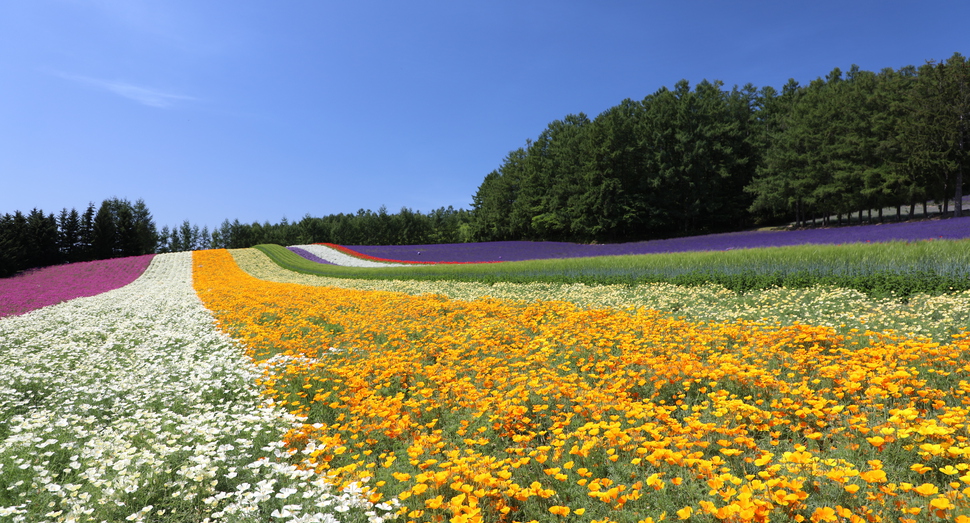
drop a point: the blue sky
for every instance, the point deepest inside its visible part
(260, 110)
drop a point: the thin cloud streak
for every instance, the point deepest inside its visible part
(142, 95)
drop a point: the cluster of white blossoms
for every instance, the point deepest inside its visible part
(131, 406)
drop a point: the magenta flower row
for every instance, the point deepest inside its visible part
(52, 285)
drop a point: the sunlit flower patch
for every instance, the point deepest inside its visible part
(330, 254)
(495, 410)
(42, 287)
(321, 250)
(131, 406)
(935, 317)
(949, 229)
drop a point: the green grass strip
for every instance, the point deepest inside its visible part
(897, 269)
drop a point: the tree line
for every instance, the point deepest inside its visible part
(120, 228)
(406, 227)
(114, 229)
(686, 161)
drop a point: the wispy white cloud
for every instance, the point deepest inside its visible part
(143, 95)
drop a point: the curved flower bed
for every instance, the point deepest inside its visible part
(331, 254)
(51, 285)
(357, 254)
(130, 406)
(501, 411)
(936, 317)
(310, 256)
(947, 229)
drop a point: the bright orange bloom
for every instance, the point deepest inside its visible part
(824, 514)
(874, 476)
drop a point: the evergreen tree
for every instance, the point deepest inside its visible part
(13, 243)
(615, 181)
(127, 241)
(773, 187)
(42, 248)
(145, 230)
(104, 233)
(86, 247)
(164, 244)
(934, 134)
(205, 239)
(188, 236)
(69, 234)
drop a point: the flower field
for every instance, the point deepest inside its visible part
(50, 285)
(130, 406)
(486, 409)
(949, 229)
(220, 386)
(936, 317)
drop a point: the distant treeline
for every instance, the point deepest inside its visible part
(366, 227)
(119, 228)
(116, 228)
(688, 161)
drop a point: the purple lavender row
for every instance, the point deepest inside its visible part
(51, 285)
(308, 255)
(950, 229)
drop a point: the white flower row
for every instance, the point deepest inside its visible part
(338, 258)
(131, 406)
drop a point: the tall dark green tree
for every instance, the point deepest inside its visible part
(495, 199)
(42, 239)
(86, 247)
(14, 243)
(104, 232)
(773, 186)
(127, 242)
(69, 234)
(935, 133)
(554, 189)
(145, 230)
(614, 178)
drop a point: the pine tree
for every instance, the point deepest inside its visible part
(86, 244)
(146, 233)
(69, 234)
(104, 234)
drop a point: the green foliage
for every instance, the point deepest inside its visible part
(685, 161)
(674, 163)
(407, 227)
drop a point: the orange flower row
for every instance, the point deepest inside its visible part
(492, 410)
